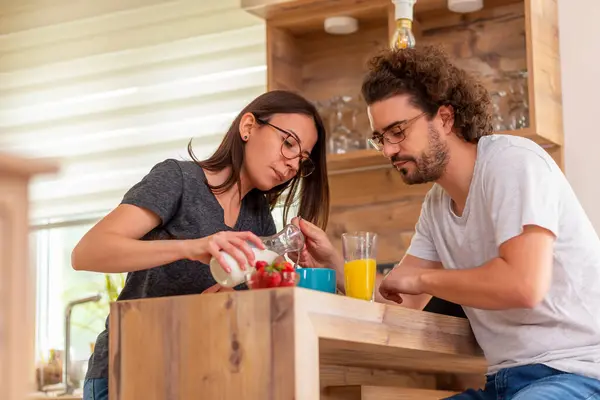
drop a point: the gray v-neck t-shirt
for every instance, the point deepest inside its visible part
(177, 192)
(516, 183)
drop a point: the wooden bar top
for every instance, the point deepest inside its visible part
(359, 333)
(273, 343)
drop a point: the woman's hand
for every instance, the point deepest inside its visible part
(233, 243)
(318, 251)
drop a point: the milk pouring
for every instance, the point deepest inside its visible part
(289, 239)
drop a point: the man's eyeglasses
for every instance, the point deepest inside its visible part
(393, 135)
(291, 149)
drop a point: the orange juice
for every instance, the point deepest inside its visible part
(360, 278)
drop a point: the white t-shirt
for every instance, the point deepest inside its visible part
(516, 183)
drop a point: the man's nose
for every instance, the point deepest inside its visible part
(390, 149)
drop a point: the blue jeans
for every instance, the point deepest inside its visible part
(534, 382)
(95, 389)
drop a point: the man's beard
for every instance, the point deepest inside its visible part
(430, 166)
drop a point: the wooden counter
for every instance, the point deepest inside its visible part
(285, 343)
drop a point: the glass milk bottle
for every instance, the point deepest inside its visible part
(289, 239)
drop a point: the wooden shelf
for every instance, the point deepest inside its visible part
(355, 160)
(505, 36)
(294, 12)
(363, 160)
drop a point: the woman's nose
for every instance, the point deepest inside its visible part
(293, 164)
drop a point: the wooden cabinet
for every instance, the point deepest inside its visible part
(17, 285)
(286, 343)
(506, 39)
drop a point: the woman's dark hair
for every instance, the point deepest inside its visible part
(314, 190)
(428, 76)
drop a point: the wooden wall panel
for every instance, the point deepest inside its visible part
(371, 187)
(485, 43)
(544, 68)
(377, 201)
(336, 65)
(284, 57)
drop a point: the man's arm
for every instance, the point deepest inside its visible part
(519, 278)
(416, 302)
(522, 190)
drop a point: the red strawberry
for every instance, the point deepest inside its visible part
(289, 278)
(288, 267)
(271, 278)
(256, 280)
(261, 264)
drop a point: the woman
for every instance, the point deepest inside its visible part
(182, 213)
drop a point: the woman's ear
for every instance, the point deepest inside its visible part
(246, 124)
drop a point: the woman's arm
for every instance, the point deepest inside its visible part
(113, 245)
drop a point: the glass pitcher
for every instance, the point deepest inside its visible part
(289, 239)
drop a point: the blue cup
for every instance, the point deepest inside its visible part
(321, 279)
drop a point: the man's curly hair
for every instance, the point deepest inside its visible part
(428, 76)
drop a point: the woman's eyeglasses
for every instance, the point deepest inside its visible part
(393, 135)
(291, 149)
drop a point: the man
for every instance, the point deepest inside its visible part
(500, 233)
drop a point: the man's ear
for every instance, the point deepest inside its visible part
(447, 116)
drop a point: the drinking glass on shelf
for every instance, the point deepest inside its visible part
(360, 265)
(340, 133)
(326, 110)
(520, 114)
(360, 122)
(323, 108)
(345, 118)
(498, 123)
(356, 137)
(518, 117)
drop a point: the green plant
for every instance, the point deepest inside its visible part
(113, 290)
(90, 316)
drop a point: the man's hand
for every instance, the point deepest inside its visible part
(404, 280)
(403, 284)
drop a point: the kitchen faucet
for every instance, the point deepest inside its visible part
(69, 389)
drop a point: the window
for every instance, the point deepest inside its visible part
(110, 89)
(58, 284)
